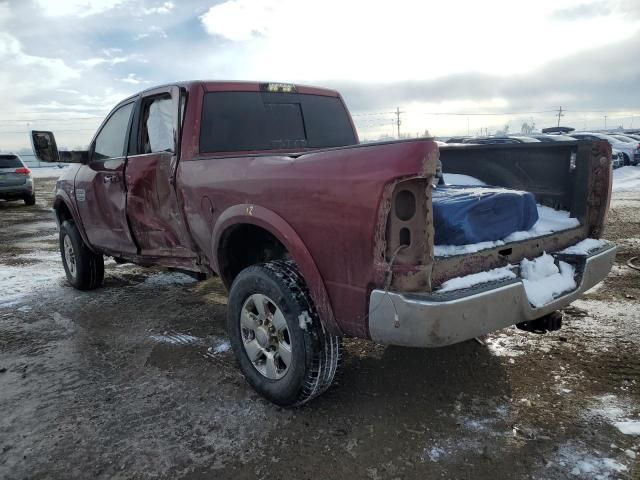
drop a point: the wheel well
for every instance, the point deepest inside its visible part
(62, 212)
(244, 245)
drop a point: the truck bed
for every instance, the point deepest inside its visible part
(570, 176)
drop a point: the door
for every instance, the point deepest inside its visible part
(100, 187)
(154, 213)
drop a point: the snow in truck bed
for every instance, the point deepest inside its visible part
(549, 221)
(542, 278)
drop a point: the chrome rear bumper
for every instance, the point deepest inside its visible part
(437, 320)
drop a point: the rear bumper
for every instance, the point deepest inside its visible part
(16, 191)
(434, 321)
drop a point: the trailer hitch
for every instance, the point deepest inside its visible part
(548, 323)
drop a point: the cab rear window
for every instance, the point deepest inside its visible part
(10, 161)
(250, 121)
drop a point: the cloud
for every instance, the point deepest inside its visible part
(401, 40)
(110, 59)
(133, 79)
(601, 78)
(166, 7)
(152, 31)
(582, 11)
(77, 8)
(241, 20)
(422, 56)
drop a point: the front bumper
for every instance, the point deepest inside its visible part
(434, 320)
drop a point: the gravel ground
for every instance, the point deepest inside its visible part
(136, 380)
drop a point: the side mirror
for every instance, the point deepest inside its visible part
(44, 146)
(46, 149)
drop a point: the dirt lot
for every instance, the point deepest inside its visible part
(136, 380)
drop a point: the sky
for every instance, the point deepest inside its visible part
(452, 67)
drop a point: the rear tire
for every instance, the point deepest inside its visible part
(84, 269)
(282, 348)
(626, 160)
(30, 200)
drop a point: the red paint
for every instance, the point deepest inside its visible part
(322, 205)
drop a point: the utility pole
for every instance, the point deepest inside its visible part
(605, 122)
(398, 122)
(560, 114)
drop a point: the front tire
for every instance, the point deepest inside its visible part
(282, 348)
(84, 269)
(30, 200)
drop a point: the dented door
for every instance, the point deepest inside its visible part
(152, 206)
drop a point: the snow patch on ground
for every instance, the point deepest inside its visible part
(164, 279)
(174, 338)
(579, 461)
(220, 347)
(629, 427)
(584, 247)
(477, 429)
(543, 280)
(477, 278)
(506, 345)
(17, 282)
(626, 179)
(617, 412)
(549, 221)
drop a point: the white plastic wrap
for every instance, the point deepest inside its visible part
(160, 125)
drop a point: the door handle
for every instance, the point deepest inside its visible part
(111, 178)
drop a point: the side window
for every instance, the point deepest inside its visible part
(156, 133)
(110, 140)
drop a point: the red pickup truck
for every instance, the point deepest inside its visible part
(315, 235)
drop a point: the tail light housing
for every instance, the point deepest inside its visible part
(23, 171)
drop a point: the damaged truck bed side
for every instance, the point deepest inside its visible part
(315, 235)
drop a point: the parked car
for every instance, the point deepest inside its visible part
(16, 182)
(543, 137)
(617, 159)
(315, 235)
(456, 139)
(630, 151)
(499, 140)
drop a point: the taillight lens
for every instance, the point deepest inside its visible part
(23, 171)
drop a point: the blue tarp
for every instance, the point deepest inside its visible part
(465, 215)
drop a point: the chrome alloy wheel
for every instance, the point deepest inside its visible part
(265, 336)
(69, 256)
